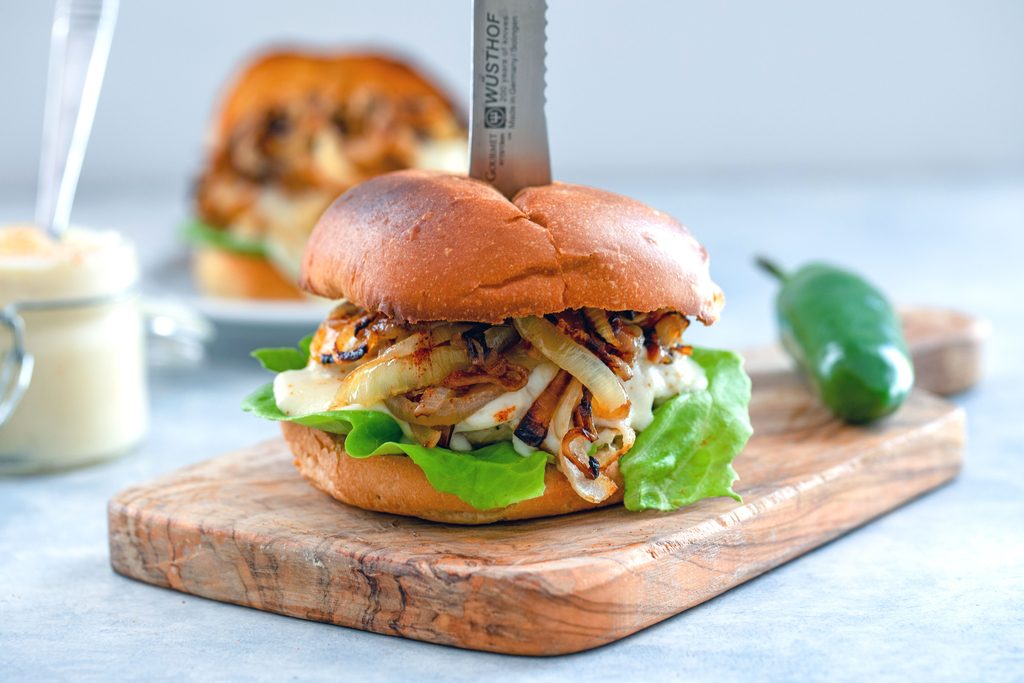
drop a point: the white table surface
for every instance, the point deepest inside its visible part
(932, 591)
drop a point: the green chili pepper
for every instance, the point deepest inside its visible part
(848, 339)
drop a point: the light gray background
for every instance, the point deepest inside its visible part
(933, 592)
(884, 135)
(706, 88)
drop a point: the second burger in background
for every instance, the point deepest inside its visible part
(294, 132)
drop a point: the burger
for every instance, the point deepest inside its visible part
(493, 359)
(295, 131)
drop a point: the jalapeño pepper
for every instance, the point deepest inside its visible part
(847, 338)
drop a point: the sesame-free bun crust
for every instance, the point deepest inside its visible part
(279, 77)
(226, 274)
(424, 245)
(395, 484)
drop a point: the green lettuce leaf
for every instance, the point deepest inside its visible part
(281, 359)
(196, 231)
(490, 477)
(686, 453)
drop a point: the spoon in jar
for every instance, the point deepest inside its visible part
(79, 46)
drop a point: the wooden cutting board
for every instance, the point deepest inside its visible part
(244, 528)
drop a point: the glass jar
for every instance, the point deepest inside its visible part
(72, 379)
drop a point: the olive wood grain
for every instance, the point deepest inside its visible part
(244, 528)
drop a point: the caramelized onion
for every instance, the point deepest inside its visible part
(621, 368)
(591, 490)
(444, 333)
(344, 309)
(384, 377)
(574, 327)
(562, 420)
(443, 408)
(386, 330)
(431, 400)
(534, 426)
(663, 332)
(630, 340)
(598, 319)
(406, 347)
(525, 355)
(670, 328)
(350, 334)
(583, 418)
(655, 354)
(473, 340)
(500, 337)
(510, 376)
(350, 355)
(425, 436)
(607, 451)
(609, 395)
(576, 447)
(591, 485)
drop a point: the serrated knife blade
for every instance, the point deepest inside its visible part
(508, 144)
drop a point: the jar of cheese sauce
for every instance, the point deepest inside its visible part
(72, 362)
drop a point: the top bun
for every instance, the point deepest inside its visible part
(423, 245)
(282, 77)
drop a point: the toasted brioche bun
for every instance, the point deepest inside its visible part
(223, 273)
(279, 77)
(395, 484)
(424, 245)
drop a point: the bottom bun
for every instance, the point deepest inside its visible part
(240, 276)
(395, 484)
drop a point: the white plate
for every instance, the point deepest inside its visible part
(269, 313)
(171, 278)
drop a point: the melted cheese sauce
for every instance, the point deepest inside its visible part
(305, 391)
(654, 383)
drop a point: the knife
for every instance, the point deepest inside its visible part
(508, 143)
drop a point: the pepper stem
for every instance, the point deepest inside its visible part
(771, 267)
